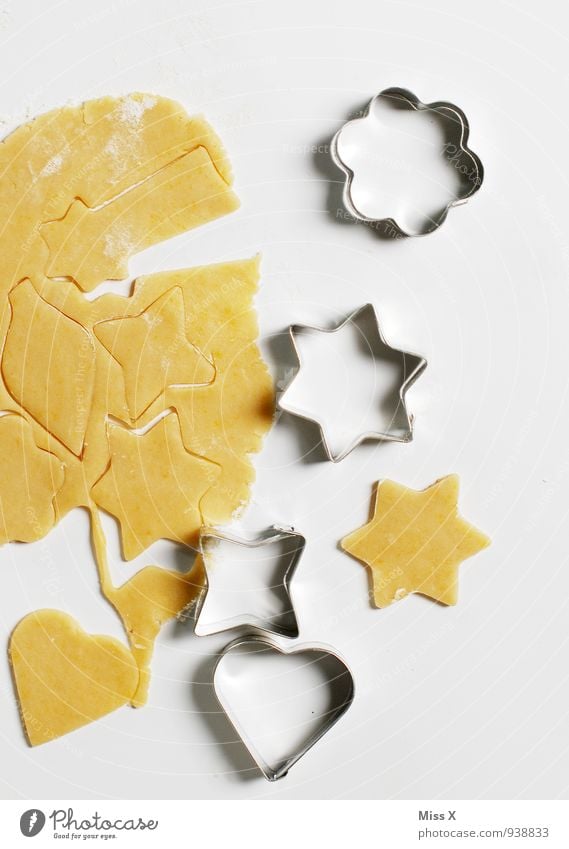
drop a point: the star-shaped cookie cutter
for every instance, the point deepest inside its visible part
(456, 154)
(413, 366)
(283, 624)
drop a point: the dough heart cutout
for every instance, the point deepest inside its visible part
(281, 701)
(66, 678)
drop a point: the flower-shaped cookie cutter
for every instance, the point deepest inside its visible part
(457, 153)
(366, 322)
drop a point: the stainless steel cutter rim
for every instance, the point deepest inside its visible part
(413, 102)
(257, 626)
(270, 773)
(377, 436)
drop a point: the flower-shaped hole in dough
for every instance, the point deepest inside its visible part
(406, 163)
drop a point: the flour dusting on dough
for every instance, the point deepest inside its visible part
(120, 148)
(113, 147)
(53, 166)
(118, 242)
(130, 113)
(133, 108)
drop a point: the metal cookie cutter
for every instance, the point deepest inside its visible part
(458, 154)
(226, 602)
(412, 365)
(281, 701)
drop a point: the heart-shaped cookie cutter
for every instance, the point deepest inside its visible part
(458, 154)
(337, 677)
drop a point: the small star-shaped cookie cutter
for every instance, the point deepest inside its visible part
(283, 623)
(413, 366)
(458, 154)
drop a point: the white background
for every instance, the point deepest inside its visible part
(464, 702)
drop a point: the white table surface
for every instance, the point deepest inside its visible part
(463, 702)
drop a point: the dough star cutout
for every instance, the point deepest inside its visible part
(365, 388)
(415, 542)
(153, 351)
(153, 501)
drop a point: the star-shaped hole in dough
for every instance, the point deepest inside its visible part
(415, 542)
(154, 486)
(248, 582)
(351, 383)
(154, 352)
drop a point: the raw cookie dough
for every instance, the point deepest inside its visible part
(64, 677)
(30, 478)
(154, 486)
(239, 404)
(93, 153)
(90, 246)
(153, 351)
(146, 602)
(224, 421)
(415, 542)
(48, 365)
(81, 189)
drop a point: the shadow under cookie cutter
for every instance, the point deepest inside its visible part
(283, 624)
(413, 367)
(459, 150)
(229, 686)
